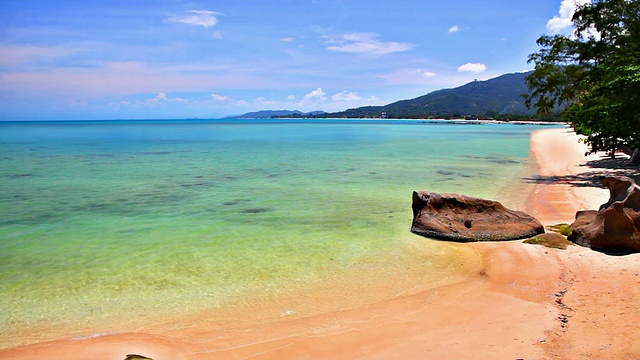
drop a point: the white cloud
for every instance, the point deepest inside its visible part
(229, 102)
(204, 18)
(221, 97)
(475, 68)
(454, 29)
(315, 100)
(162, 98)
(287, 39)
(410, 76)
(346, 96)
(563, 20)
(164, 101)
(364, 43)
(317, 95)
(262, 101)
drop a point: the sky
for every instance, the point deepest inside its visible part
(167, 59)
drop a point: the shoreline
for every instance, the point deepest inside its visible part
(597, 304)
(560, 158)
(526, 301)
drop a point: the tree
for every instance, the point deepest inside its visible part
(594, 75)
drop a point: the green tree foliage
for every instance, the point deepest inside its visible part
(594, 74)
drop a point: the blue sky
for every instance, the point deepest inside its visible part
(129, 59)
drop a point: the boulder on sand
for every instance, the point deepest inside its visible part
(466, 219)
(616, 226)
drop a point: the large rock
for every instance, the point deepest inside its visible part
(465, 219)
(584, 219)
(616, 226)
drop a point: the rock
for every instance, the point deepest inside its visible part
(550, 240)
(466, 219)
(564, 229)
(616, 226)
(582, 224)
(136, 357)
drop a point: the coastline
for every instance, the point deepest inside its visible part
(505, 310)
(561, 162)
(597, 305)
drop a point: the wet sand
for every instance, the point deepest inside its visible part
(525, 301)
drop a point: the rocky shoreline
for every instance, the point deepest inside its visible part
(615, 227)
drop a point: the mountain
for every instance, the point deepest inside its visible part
(490, 98)
(267, 114)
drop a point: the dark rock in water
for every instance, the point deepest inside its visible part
(466, 219)
(444, 172)
(616, 226)
(20, 175)
(256, 210)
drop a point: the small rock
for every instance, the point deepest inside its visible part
(551, 240)
(136, 357)
(563, 229)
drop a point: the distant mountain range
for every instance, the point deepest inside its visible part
(491, 98)
(497, 98)
(267, 114)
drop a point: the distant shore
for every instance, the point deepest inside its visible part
(429, 121)
(526, 301)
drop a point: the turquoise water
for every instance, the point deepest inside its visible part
(111, 220)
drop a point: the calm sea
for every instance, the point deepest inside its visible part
(108, 222)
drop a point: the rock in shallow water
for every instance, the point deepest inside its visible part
(466, 219)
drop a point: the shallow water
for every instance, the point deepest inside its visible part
(106, 222)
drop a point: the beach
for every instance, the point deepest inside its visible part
(517, 301)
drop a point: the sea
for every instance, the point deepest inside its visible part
(109, 226)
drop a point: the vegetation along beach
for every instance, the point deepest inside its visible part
(157, 202)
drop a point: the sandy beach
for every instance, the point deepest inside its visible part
(526, 302)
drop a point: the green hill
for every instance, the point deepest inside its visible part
(492, 98)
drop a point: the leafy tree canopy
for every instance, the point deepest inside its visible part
(593, 74)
